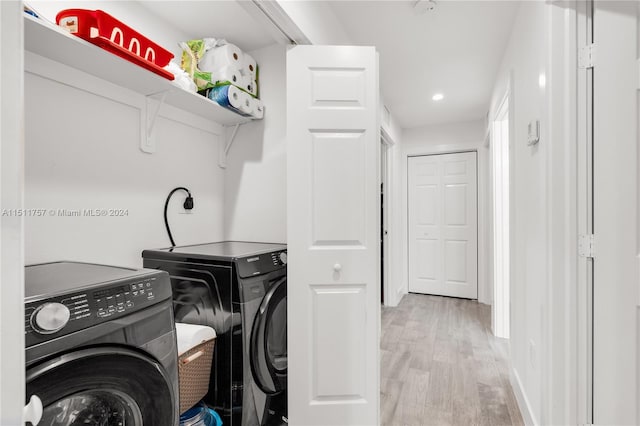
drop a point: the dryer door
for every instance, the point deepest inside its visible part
(102, 386)
(269, 340)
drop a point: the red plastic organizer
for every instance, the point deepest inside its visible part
(105, 31)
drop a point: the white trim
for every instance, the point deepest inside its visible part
(477, 147)
(521, 398)
(579, 356)
(500, 314)
(391, 298)
(270, 15)
(386, 137)
(12, 385)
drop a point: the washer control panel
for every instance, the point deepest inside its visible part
(64, 314)
(116, 300)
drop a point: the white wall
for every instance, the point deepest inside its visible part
(255, 206)
(524, 59)
(537, 67)
(82, 152)
(445, 138)
(77, 159)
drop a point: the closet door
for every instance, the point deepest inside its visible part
(333, 235)
(443, 225)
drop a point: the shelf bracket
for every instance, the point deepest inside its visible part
(150, 114)
(224, 148)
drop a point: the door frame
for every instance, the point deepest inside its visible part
(583, 198)
(482, 157)
(389, 144)
(501, 312)
(12, 386)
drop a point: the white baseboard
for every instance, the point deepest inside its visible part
(521, 397)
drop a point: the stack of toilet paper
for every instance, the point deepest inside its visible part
(225, 74)
(229, 65)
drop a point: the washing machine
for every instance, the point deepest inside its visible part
(239, 289)
(100, 345)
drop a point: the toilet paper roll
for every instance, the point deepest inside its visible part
(249, 84)
(257, 108)
(249, 66)
(245, 103)
(229, 73)
(222, 56)
(253, 88)
(231, 97)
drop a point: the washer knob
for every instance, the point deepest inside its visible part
(50, 318)
(283, 258)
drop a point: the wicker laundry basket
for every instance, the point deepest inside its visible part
(194, 371)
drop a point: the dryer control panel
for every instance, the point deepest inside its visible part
(261, 263)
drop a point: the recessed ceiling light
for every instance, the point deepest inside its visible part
(438, 97)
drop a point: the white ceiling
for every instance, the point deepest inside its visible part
(220, 18)
(455, 50)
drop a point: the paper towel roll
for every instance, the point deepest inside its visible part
(223, 56)
(249, 66)
(190, 335)
(257, 108)
(245, 105)
(228, 73)
(231, 98)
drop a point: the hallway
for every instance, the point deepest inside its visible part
(442, 366)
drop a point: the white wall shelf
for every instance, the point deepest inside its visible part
(58, 45)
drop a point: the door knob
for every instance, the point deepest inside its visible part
(32, 412)
(337, 267)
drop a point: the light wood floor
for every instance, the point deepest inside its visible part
(442, 366)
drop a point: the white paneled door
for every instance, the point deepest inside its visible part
(443, 225)
(333, 216)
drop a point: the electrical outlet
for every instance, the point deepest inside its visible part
(532, 353)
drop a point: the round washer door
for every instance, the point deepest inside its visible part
(269, 341)
(102, 386)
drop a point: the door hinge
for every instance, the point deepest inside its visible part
(586, 56)
(586, 245)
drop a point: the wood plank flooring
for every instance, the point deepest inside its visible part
(442, 366)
